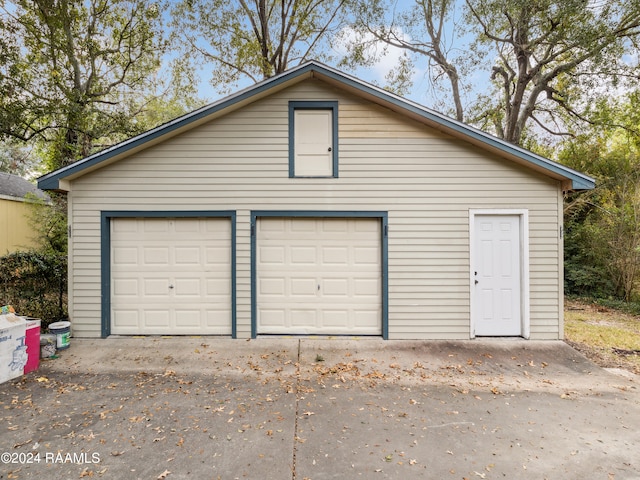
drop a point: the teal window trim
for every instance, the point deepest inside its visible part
(313, 105)
(105, 255)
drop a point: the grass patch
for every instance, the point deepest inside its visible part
(608, 336)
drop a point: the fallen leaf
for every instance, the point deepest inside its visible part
(17, 445)
(86, 473)
(163, 475)
(42, 379)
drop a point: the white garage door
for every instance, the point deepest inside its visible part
(171, 276)
(319, 276)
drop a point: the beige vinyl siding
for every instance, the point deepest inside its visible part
(426, 181)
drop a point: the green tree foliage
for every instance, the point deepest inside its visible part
(254, 39)
(546, 57)
(74, 72)
(550, 52)
(48, 221)
(603, 226)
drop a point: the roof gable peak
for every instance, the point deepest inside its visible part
(312, 68)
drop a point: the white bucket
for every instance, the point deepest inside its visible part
(62, 331)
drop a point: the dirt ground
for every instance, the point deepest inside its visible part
(593, 340)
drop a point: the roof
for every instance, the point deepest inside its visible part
(572, 179)
(18, 188)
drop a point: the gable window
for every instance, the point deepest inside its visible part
(313, 139)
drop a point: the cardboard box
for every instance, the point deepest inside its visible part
(13, 347)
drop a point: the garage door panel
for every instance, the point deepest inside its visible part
(337, 225)
(273, 255)
(188, 287)
(125, 227)
(156, 318)
(271, 286)
(219, 288)
(188, 318)
(126, 319)
(335, 255)
(303, 287)
(217, 257)
(302, 225)
(303, 255)
(320, 273)
(155, 287)
(155, 227)
(271, 317)
(366, 287)
(336, 287)
(366, 256)
(303, 318)
(126, 287)
(156, 256)
(187, 225)
(125, 256)
(174, 273)
(213, 316)
(336, 319)
(188, 256)
(365, 318)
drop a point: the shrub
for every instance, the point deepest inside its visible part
(35, 284)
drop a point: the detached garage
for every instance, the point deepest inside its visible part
(315, 204)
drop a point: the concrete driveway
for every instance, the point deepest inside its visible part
(289, 408)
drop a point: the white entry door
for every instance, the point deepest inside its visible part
(319, 276)
(497, 275)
